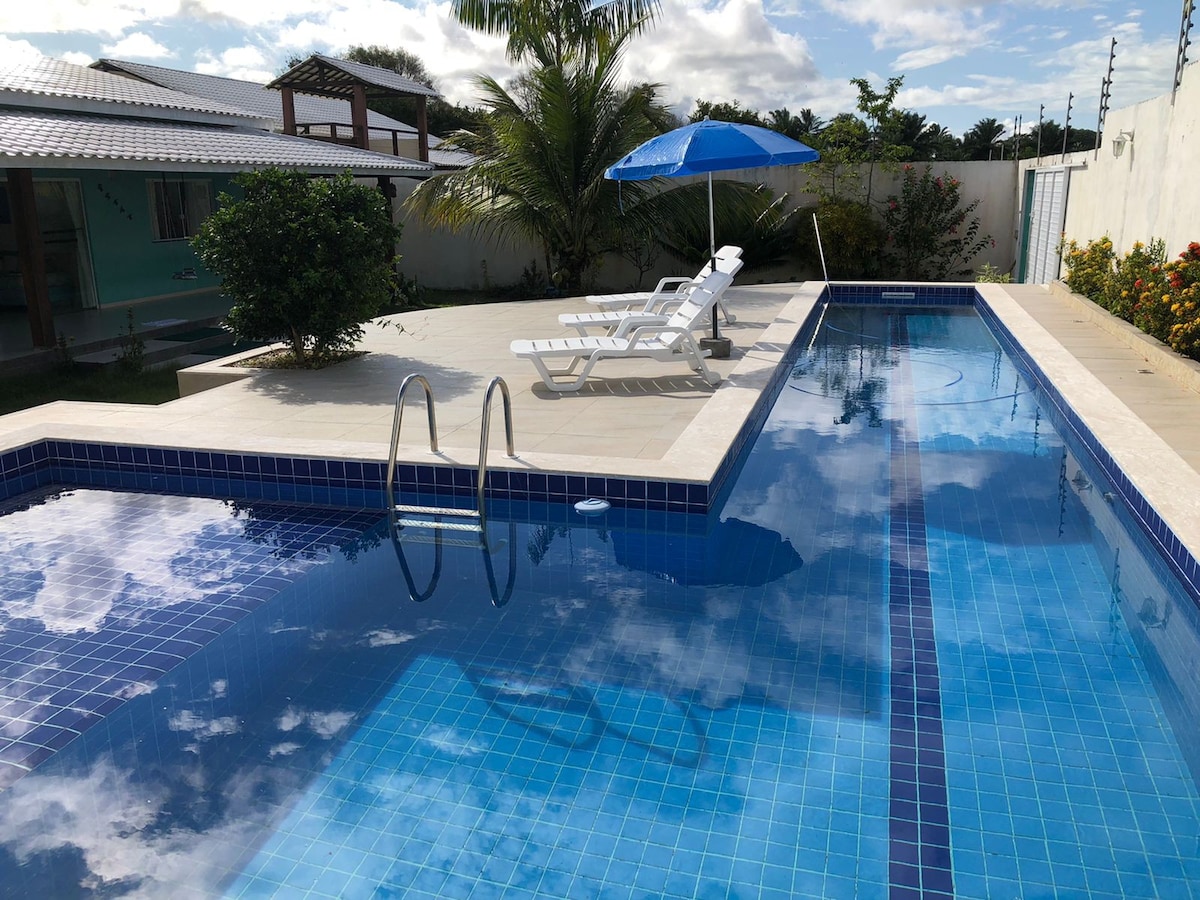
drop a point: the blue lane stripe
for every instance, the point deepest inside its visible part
(919, 826)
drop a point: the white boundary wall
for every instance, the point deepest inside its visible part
(1153, 189)
(440, 259)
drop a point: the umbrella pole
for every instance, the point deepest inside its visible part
(712, 250)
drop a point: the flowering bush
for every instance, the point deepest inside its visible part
(1135, 277)
(930, 237)
(1089, 268)
(1161, 298)
(1183, 275)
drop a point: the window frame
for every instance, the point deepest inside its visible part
(177, 206)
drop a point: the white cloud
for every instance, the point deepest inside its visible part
(452, 53)
(929, 56)
(79, 59)
(726, 52)
(247, 63)
(909, 23)
(138, 45)
(108, 17)
(18, 51)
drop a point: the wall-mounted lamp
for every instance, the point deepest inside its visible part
(1119, 142)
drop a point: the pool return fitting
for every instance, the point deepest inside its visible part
(425, 519)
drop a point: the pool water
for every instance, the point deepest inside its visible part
(918, 652)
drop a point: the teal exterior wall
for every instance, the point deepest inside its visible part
(127, 263)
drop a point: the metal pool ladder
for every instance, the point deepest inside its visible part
(401, 516)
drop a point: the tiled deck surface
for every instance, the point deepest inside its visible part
(633, 418)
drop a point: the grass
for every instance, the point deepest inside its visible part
(110, 385)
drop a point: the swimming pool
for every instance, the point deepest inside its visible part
(916, 652)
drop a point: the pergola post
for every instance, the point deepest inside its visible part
(358, 116)
(31, 256)
(289, 110)
(422, 130)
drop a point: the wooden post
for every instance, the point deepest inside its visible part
(395, 143)
(358, 116)
(289, 110)
(31, 255)
(422, 130)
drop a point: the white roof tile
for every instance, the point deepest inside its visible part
(255, 97)
(67, 140)
(54, 83)
(337, 75)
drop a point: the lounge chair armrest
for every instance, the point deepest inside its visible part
(665, 283)
(648, 331)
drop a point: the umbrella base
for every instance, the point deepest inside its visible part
(720, 346)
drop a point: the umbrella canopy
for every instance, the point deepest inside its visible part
(702, 148)
(710, 146)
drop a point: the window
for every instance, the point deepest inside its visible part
(178, 207)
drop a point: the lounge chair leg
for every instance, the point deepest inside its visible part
(562, 387)
(693, 349)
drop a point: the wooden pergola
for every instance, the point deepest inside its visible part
(325, 76)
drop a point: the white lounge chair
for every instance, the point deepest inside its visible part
(658, 308)
(728, 259)
(664, 341)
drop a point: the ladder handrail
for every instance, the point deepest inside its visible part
(413, 593)
(397, 416)
(396, 525)
(485, 434)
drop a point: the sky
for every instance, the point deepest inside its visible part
(961, 60)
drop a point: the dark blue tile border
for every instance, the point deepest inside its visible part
(918, 811)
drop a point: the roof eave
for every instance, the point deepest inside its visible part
(60, 103)
(75, 163)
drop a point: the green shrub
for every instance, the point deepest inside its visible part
(850, 234)
(305, 260)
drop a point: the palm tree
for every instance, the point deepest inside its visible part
(553, 32)
(980, 139)
(541, 154)
(809, 124)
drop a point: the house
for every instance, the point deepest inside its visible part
(106, 177)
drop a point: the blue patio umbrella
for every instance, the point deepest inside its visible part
(702, 148)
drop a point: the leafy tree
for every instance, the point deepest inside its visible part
(305, 260)
(930, 235)
(556, 32)
(843, 143)
(1047, 136)
(1080, 139)
(878, 107)
(726, 112)
(442, 117)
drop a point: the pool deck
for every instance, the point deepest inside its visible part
(634, 418)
